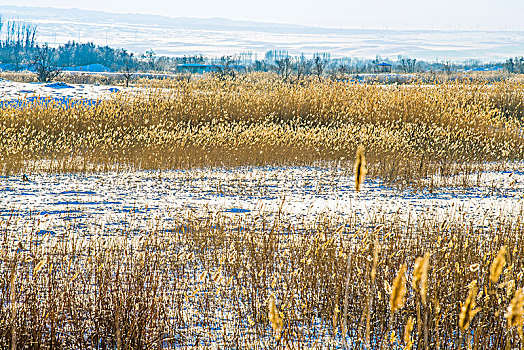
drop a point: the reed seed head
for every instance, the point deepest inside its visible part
(274, 318)
(360, 168)
(408, 330)
(398, 291)
(498, 265)
(420, 276)
(468, 310)
(515, 311)
(375, 261)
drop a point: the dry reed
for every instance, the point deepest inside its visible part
(203, 280)
(410, 132)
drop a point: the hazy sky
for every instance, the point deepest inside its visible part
(388, 14)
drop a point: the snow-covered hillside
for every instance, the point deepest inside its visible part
(216, 37)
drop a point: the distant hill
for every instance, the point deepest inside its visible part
(218, 36)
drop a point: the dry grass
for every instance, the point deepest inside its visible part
(261, 282)
(214, 280)
(409, 132)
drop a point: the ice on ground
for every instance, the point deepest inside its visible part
(116, 200)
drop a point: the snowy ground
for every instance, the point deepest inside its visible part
(14, 93)
(138, 200)
(97, 205)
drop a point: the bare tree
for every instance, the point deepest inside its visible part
(129, 69)
(261, 66)
(407, 65)
(44, 64)
(449, 67)
(340, 71)
(515, 65)
(320, 63)
(302, 67)
(19, 33)
(30, 35)
(226, 68)
(151, 59)
(284, 67)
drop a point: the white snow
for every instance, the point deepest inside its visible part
(11, 91)
(216, 37)
(138, 200)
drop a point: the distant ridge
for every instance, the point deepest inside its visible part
(219, 36)
(35, 13)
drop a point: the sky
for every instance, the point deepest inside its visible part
(369, 14)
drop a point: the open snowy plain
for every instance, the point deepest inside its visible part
(118, 200)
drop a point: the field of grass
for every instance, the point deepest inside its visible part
(206, 279)
(205, 282)
(409, 132)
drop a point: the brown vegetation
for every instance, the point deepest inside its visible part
(267, 282)
(207, 280)
(409, 132)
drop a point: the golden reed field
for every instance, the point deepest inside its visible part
(256, 282)
(408, 131)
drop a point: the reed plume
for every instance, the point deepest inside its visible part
(398, 291)
(498, 265)
(420, 276)
(360, 168)
(515, 311)
(408, 330)
(376, 249)
(468, 310)
(274, 318)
